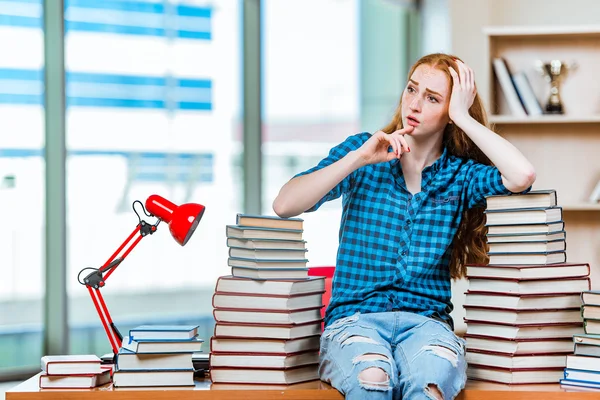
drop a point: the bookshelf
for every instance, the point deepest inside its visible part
(563, 148)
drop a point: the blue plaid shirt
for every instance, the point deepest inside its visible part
(394, 247)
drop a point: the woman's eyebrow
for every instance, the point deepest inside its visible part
(426, 89)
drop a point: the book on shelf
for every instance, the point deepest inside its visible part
(74, 381)
(267, 254)
(291, 331)
(264, 264)
(252, 232)
(258, 244)
(521, 317)
(264, 346)
(524, 272)
(527, 237)
(514, 376)
(583, 363)
(532, 199)
(541, 258)
(274, 317)
(527, 247)
(269, 221)
(231, 284)
(260, 360)
(524, 361)
(264, 376)
(519, 346)
(532, 286)
(127, 360)
(505, 81)
(157, 346)
(267, 302)
(164, 332)
(525, 229)
(525, 91)
(522, 302)
(540, 215)
(543, 331)
(76, 364)
(271, 273)
(153, 378)
(590, 297)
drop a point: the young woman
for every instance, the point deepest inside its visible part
(413, 198)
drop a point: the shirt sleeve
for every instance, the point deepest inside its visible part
(483, 181)
(335, 154)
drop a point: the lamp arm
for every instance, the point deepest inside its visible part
(96, 280)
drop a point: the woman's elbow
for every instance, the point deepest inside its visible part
(527, 180)
(281, 207)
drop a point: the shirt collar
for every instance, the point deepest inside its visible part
(435, 167)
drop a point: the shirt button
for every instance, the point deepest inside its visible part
(408, 222)
(403, 253)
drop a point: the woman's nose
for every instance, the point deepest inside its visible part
(415, 105)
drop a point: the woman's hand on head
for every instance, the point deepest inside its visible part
(375, 150)
(463, 91)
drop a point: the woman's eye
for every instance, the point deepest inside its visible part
(432, 99)
(410, 89)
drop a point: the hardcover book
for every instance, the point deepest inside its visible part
(532, 199)
(231, 284)
(269, 221)
(267, 302)
(80, 364)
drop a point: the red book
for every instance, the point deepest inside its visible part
(283, 376)
(74, 381)
(84, 364)
(290, 331)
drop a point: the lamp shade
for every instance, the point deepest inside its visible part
(182, 220)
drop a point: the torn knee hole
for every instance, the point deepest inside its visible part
(434, 392)
(358, 339)
(374, 377)
(443, 352)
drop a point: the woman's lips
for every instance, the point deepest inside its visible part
(412, 121)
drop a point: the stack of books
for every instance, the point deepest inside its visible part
(73, 372)
(583, 366)
(266, 247)
(268, 311)
(523, 307)
(157, 355)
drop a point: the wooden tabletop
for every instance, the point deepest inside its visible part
(204, 389)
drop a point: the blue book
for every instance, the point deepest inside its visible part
(164, 332)
(162, 346)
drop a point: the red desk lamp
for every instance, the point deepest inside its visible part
(182, 221)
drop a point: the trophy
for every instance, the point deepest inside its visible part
(554, 72)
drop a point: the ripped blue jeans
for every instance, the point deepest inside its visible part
(392, 355)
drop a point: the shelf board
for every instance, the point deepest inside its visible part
(544, 119)
(581, 207)
(541, 30)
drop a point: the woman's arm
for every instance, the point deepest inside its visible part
(517, 172)
(303, 192)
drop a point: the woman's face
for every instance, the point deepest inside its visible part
(425, 101)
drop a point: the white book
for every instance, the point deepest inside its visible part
(541, 346)
(74, 381)
(524, 89)
(79, 364)
(516, 361)
(265, 302)
(510, 93)
(267, 317)
(260, 360)
(519, 302)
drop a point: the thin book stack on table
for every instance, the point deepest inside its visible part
(157, 355)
